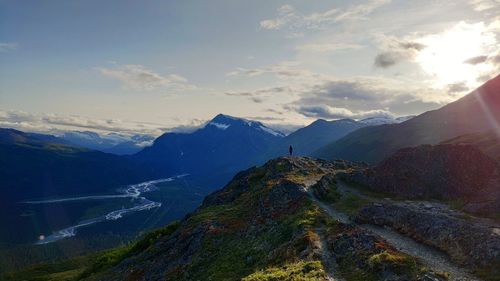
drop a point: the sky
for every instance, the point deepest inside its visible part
(150, 66)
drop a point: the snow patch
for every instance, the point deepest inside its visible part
(270, 131)
(219, 125)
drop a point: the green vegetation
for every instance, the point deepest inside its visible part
(301, 271)
(398, 262)
(243, 253)
(350, 203)
(64, 270)
(84, 266)
(375, 264)
(112, 257)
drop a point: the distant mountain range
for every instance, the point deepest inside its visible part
(477, 112)
(33, 165)
(112, 143)
(321, 132)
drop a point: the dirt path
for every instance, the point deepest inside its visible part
(328, 259)
(431, 257)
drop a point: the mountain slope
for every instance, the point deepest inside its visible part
(296, 219)
(307, 140)
(316, 135)
(479, 111)
(263, 226)
(32, 167)
(446, 172)
(111, 143)
(488, 142)
(224, 145)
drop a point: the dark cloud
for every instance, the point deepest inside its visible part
(396, 52)
(275, 111)
(476, 60)
(495, 59)
(388, 59)
(457, 87)
(351, 90)
(359, 97)
(412, 46)
(257, 99)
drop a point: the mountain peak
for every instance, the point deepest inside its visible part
(223, 122)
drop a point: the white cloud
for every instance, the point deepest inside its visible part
(359, 12)
(138, 77)
(8, 46)
(54, 123)
(484, 5)
(331, 112)
(288, 17)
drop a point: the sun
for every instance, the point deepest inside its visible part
(445, 55)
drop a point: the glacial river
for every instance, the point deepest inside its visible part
(133, 191)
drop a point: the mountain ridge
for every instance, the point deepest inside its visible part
(373, 144)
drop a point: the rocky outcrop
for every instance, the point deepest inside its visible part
(444, 172)
(471, 242)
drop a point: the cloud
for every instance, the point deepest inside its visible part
(359, 12)
(286, 70)
(495, 60)
(288, 17)
(484, 5)
(330, 112)
(54, 123)
(396, 50)
(138, 77)
(388, 59)
(359, 97)
(459, 87)
(8, 46)
(328, 47)
(476, 60)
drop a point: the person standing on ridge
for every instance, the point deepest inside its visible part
(290, 150)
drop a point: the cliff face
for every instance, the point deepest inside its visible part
(264, 226)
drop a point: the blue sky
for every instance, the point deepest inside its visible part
(148, 66)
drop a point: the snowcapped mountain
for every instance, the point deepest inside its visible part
(225, 144)
(113, 143)
(223, 122)
(374, 121)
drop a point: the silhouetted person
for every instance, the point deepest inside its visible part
(290, 150)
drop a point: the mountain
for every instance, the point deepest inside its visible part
(487, 142)
(478, 111)
(374, 121)
(316, 135)
(446, 172)
(111, 143)
(224, 145)
(294, 219)
(31, 166)
(307, 140)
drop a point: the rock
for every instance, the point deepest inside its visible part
(473, 244)
(444, 172)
